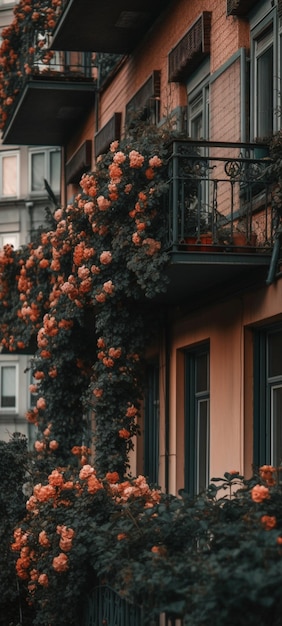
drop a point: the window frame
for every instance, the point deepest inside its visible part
(259, 26)
(5, 236)
(198, 86)
(47, 169)
(14, 409)
(264, 384)
(152, 423)
(4, 154)
(192, 403)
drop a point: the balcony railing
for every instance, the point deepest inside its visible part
(27, 57)
(219, 198)
(105, 606)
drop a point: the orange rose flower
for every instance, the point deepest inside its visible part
(259, 493)
(268, 521)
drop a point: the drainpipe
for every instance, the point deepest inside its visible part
(29, 207)
(274, 257)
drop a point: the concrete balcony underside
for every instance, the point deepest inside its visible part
(47, 109)
(196, 277)
(111, 26)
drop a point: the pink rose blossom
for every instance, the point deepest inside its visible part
(119, 157)
(135, 159)
(155, 161)
(106, 257)
(103, 203)
(86, 471)
(108, 287)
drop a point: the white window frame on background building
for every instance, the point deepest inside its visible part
(9, 188)
(265, 92)
(6, 3)
(36, 189)
(12, 382)
(12, 239)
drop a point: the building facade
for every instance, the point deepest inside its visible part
(211, 69)
(23, 203)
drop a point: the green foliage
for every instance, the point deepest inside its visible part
(13, 467)
(215, 559)
(83, 292)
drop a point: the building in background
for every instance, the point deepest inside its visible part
(212, 69)
(23, 203)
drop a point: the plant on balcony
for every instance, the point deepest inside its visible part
(24, 43)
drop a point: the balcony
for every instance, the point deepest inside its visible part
(220, 226)
(114, 26)
(48, 92)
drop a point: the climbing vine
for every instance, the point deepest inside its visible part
(84, 292)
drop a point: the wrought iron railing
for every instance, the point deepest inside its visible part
(105, 606)
(45, 61)
(219, 193)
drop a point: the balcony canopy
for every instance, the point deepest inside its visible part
(108, 26)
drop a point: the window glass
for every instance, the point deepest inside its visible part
(9, 238)
(37, 171)
(275, 354)
(265, 102)
(8, 386)
(197, 420)
(9, 175)
(268, 396)
(201, 372)
(55, 168)
(196, 116)
(203, 446)
(45, 164)
(276, 419)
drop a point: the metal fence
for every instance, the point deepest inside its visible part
(105, 607)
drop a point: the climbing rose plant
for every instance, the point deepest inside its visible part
(215, 559)
(83, 293)
(24, 49)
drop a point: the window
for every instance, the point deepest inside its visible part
(9, 174)
(9, 238)
(268, 396)
(151, 425)
(198, 102)
(45, 164)
(198, 115)
(265, 76)
(8, 387)
(197, 399)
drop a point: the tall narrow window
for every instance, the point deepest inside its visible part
(198, 115)
(268, 396)
(8, 386)
(151, 424)
(197, 397)
(265, 78)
